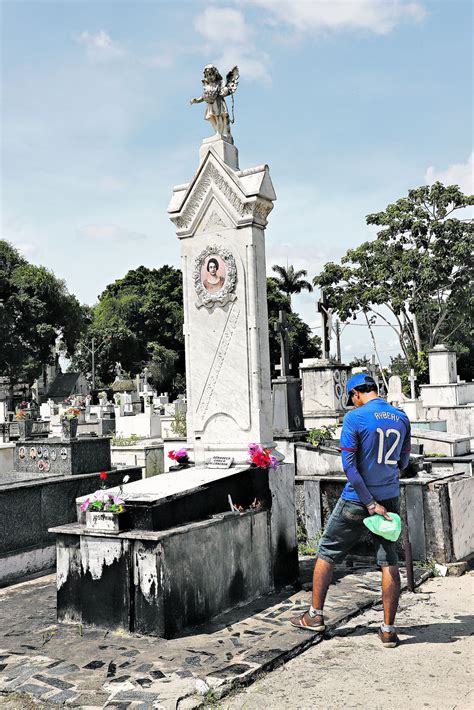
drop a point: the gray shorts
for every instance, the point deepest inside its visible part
(345, 527)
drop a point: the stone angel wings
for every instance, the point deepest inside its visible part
(214, 93)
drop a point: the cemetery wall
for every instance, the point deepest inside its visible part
(26, 546)
(148, 458)
(437, 513)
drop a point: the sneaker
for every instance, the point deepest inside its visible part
(389, 639)
(308, 623)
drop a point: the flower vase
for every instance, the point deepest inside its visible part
(69, 429)
(180, 465)
(102, 521)
(25, 428)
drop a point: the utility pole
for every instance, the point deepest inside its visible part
(337, 330)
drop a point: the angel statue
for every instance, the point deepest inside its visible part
(213, 94)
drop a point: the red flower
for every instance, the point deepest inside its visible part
(102, 475)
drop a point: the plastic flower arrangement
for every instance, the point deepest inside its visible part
(21, 414)
(261, 457)
(103, 502)
(71, 413)
(180, 456)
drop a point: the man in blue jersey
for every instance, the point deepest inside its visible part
(375, 444)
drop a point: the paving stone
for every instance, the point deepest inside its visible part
(144, 667)
(130, 695)
(62, 697)
(162, 669)
(33, 689)
(94, 665)
(111, 669)
(55, 682)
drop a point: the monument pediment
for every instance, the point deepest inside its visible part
(245, 196)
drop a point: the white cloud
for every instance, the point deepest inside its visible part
(109, 183)
(101, 47)
(26, 249)
(378, 16)
(461, 174)
(231, 42)
(110, 233)
(222, 25)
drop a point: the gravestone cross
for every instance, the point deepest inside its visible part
(282, 327)
(326, 319)
(412, 379)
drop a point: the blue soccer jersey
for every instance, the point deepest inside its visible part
(374, 439)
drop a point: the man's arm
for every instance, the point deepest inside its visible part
(349, 444)
(406, 448)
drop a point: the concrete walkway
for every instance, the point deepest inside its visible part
(92, 668)
(432, 668)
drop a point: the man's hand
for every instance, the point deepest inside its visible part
(380, 510)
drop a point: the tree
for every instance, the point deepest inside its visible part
(301, 342)
(363, 361)
(290, 281)
(35, 309)
(419, 267)
(143, 312)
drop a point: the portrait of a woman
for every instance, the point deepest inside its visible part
(213, 281)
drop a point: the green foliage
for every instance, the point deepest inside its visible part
(430, 565)
(419, 267)
(307, 546)
(301, 342)
(35, 308)
(290, 281)
(178, 424)
(121, 440)
(143, 312)
(318, 437)
(162, 366)
(363, 361)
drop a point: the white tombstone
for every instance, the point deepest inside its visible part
(127, 403)
(444, 389)
(3, 412)
(442, 365)
(220, 217)
(323, 391)
(395, 393)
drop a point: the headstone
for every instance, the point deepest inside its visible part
(444, 390)
(395, 392)
(127, 403)
(53, 456)
(288, 422)
(323, 391)
(220, 218)
(442, 365)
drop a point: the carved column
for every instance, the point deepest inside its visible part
(220, 219)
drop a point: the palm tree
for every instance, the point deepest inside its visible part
(290, 281)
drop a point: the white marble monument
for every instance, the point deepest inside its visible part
(220, 218)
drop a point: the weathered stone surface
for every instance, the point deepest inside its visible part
(53, 456)
(31, 507)
(33, 646)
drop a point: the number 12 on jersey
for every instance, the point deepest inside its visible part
(385, 437)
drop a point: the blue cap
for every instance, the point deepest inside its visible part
(362, 378)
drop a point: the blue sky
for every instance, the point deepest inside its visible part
(350, 103)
